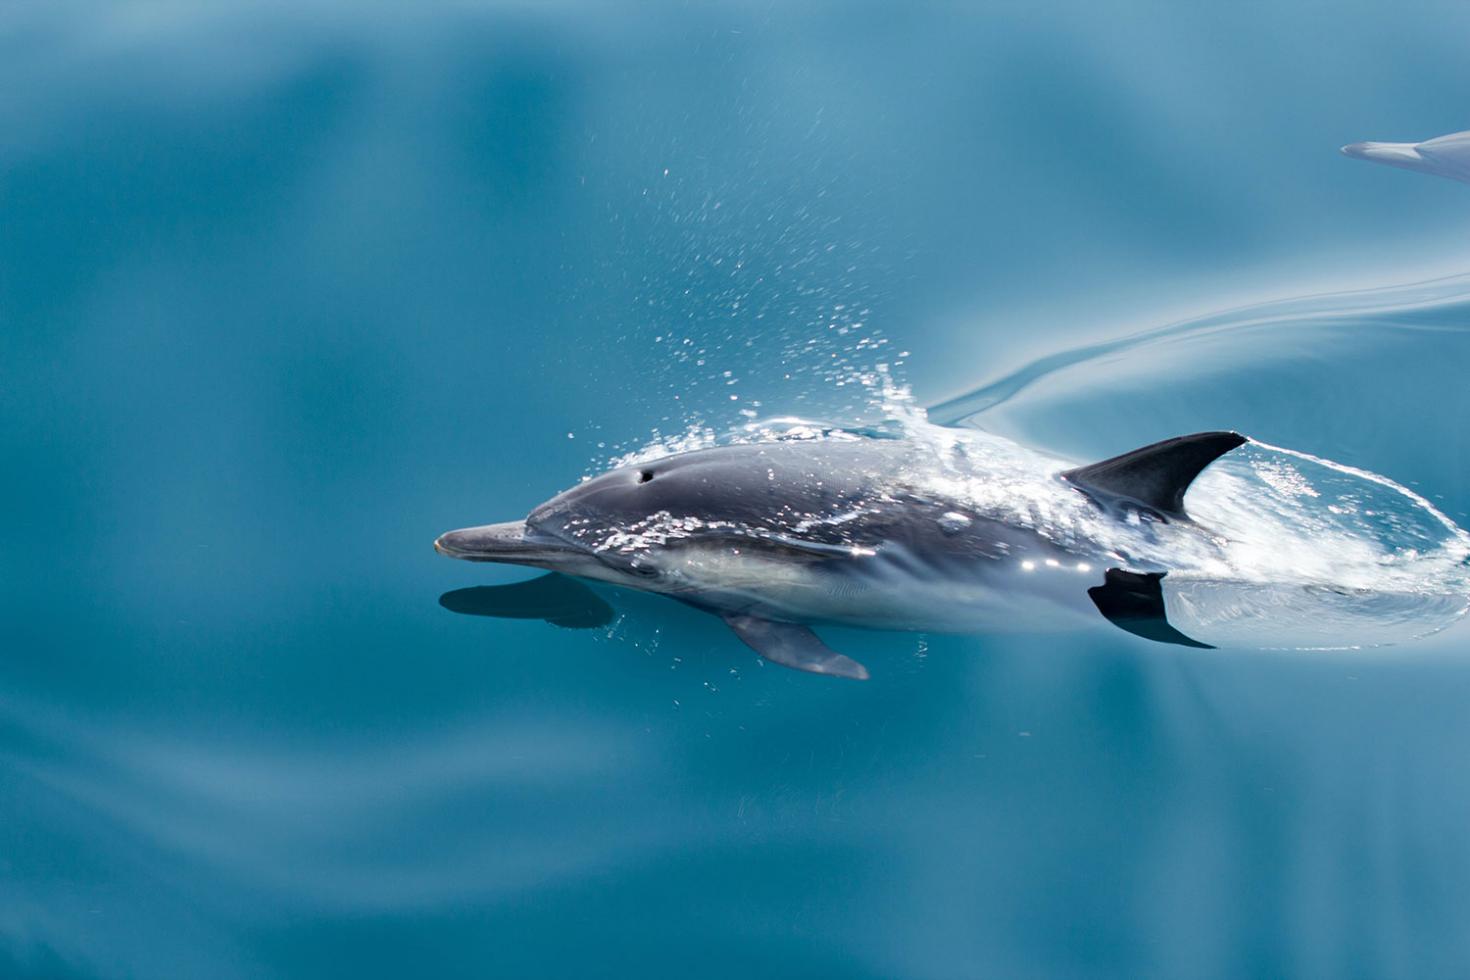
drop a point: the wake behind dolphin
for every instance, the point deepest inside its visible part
(949, 530)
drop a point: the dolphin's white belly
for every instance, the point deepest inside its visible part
(877, 593)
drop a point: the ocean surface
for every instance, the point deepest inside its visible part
(286, 290)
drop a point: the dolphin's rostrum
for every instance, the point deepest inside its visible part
(1443, 156)
(776, 537)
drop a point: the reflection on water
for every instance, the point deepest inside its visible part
(559, 600)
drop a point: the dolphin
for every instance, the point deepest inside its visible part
(1444, 156)
(957, 535)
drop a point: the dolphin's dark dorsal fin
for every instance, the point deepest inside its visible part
(1156, 476)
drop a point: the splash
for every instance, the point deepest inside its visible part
(890, 410)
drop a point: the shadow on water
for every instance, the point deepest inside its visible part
(559, 600)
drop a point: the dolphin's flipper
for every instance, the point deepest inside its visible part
(1154, 477)
(1134, 601)
(559, 600)
(794, 646)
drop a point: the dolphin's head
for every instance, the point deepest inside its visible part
(637, 525)
(1444, 156)
(573, 532)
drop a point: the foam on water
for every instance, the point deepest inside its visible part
(1320, 555)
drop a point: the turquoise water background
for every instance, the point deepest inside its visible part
(288, 289)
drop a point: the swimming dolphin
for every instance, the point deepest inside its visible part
(881, 533)
(1444, 156)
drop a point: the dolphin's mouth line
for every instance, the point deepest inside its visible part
(506, 543)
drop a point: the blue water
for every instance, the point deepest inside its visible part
(287, 290)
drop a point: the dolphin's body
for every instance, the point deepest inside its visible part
(880, 533)
(1443, 156)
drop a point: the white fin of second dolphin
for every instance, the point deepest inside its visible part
(1444, 156)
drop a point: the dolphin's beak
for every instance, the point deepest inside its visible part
(506, 543)
(1393, 154)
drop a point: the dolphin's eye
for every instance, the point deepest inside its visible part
(645, 475)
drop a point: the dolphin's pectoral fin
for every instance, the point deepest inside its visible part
(1134, 601)
(794, 646)
(1154, 477)
(559, 600)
